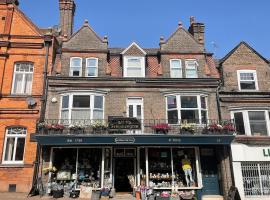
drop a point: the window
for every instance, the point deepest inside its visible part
(75, 67)
(247, 80)
(191, 69)
(192, 109)
(22, 78)
(176, 68)
(134, 66)
(256, 178)
(76, 107)
(92, 67)
(251, 122)
(14, 145)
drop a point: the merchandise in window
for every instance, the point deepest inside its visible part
(14, 145)
(92, 67)
(75, 66)
(191, 69)
(247, 79)
(134, 67)
(190, 109)
(22, 78)
(176, 68)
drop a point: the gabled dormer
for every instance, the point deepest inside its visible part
(133, 61)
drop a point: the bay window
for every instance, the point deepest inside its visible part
(14, 145)
(251, 122)
(81, 106)
(186, 108)
(22, 78)
(75, 66)
(134, 66)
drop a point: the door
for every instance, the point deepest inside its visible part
(124, 167)
(135, 109)
(209, 168)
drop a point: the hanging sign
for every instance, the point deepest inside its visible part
(124, 123)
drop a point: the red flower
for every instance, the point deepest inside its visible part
(229, 127)
(161, 127)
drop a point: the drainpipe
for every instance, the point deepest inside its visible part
(218, 102)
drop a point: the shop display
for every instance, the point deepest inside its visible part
(186, 166)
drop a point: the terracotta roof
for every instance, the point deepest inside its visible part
(212, 67)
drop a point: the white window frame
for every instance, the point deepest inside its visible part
(255, 79)
(70, 66)
(178, 106)
(23, 81)
(142, 60)
(246, 120)
(16, 136)
(96, 67)
(187, 67)
(180, 68)
(70, 105)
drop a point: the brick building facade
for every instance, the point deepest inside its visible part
(22, 60)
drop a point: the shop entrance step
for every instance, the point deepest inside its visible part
(123, 196)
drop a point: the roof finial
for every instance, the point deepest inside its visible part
(180, 24)
(105, 38)
(85, 22)
(161, 40)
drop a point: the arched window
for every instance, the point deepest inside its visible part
(14, 145)
(22, 78)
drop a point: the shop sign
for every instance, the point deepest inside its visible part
(124, 123)
(124, 140)
(266, 152)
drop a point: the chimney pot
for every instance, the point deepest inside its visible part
(192, 20)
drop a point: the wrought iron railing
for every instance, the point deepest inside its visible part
(146, 126)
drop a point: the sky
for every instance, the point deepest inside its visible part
(227, 22)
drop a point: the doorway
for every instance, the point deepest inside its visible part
(124, 167)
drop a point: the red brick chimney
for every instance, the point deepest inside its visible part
(67, 11)
(16, 2)
(197, 30)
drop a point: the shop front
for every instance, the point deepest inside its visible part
(128, 163)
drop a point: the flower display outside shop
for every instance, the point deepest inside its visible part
(161, 128)
(99, 126)
(187, 128)
(218, 128)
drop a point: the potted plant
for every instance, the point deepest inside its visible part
(228, 128)
(76, 128)
(99, 127)
(187, 128)
(54, 128)
(161, 128)
(213, 129)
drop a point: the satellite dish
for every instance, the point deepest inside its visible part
(31, 102)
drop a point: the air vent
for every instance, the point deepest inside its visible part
(12, 187)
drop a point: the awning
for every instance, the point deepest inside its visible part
(53, 140)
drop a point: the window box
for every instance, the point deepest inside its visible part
(161, 128)
(99, 127)
(187, 128)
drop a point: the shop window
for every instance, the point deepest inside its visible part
(22, 78)
(107, 167)
(82, 107)
(256, 178)
(134, 66)
(176, 68)
(191, 69)
(14, 145)
(247, 80)
(75, 66)
(191, 109)
(91, 67)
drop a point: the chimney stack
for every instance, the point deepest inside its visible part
(197, 30)
(67, 10)
(16, 2)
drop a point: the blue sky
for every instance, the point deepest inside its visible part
(227, 21)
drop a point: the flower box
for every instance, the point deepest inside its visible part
(161, 128)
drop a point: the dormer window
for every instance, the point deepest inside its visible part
(134, 66)
(91, 67)
(176, 68)
(75, 66)
(191, 69)
(247, 80)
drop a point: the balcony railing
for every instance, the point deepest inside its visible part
(128, 127)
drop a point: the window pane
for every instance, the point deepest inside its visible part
(171, 101)
(239, 123)
(80, 114)
(246, 76)
(175, 64)
(65, 101)
(204, 117)
(176, 73)
(134, 62)
(130, 111)
(98, 102)
(64, 114)
(76, 62)
(190, 116)
(191, 73)
(28, 83)
(203, 102)
(75, 71)
(173, 117)
(134, 72)
(18, 83)
(98, 114)
(9, 149)
(91, 71)
(91, 62)
(247, 85)
(257, 122)
(19, 149)
(189, 102)
(139, 111)
(81, 101)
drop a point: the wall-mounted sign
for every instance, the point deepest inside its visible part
(266, 152)
(124, 123)
(124, 140)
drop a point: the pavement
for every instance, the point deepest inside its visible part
(20, 196)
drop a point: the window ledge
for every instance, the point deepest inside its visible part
(16, 165)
